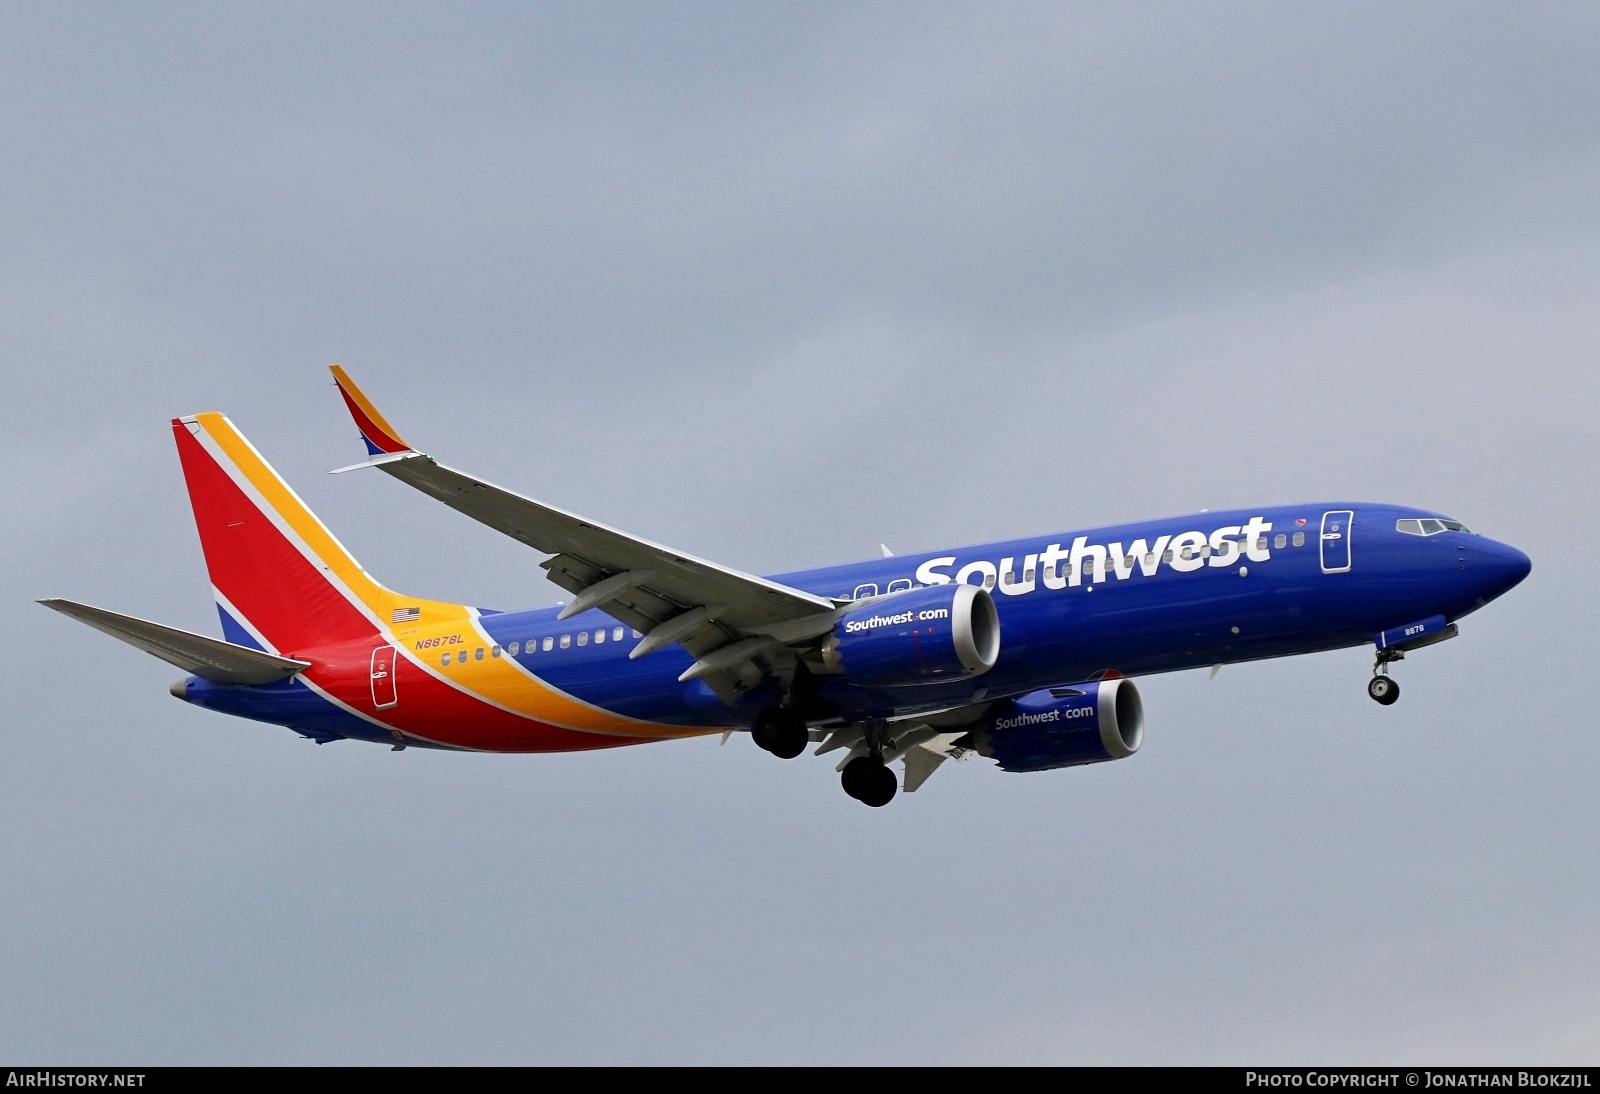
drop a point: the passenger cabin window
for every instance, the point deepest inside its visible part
(446, 661)
(477, 654)
(864, 591)
(616, 634)
(494, 651)
(549, 644)
(566, 641)
(900, 585)
(1280, 540)
(514, 647)
(1299, 539)
(599, 636)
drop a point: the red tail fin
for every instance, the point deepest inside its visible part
(281, 578)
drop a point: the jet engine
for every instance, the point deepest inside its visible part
(1064, 727)
(934, 634)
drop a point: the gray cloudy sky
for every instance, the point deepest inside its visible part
(773, 284)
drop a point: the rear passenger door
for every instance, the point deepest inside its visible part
(384, 694)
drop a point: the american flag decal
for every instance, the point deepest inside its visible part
(405, 615)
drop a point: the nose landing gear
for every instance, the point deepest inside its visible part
(1382, 687)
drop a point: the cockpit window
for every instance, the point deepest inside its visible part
(1427, 526)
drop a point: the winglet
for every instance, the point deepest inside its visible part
(380, 437)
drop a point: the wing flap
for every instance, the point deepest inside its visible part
(208, 658)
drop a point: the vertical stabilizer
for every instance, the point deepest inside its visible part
(282, 581)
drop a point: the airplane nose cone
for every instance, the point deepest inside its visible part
(1500, 567)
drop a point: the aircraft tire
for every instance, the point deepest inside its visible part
(869, 781)
(883, 788)
(1383, 690)
(781, 732)
(857, 775)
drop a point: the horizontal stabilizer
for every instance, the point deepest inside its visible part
(208, 658)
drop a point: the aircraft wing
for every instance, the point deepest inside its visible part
(730, 621)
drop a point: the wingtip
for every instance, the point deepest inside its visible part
(381, 438)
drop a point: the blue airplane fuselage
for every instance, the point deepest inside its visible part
(1079, 604)
(1185, 592)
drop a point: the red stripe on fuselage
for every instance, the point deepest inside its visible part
(284, 596)
(430, 708)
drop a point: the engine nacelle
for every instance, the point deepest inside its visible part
(1064, 727)
(934, 634)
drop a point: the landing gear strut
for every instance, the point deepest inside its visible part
(781, 732)
(1383, 688)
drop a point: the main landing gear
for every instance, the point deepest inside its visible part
(1382, 687)
(866, 778)
(869, 780)
(781, 732)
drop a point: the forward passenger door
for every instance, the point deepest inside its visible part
(1336, 541)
